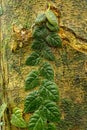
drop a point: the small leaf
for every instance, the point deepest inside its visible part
(50, 111)
(48, 54)
(32, 80)
(33, 59)
(2, 109)
(49, 90)
(32, 102)
(47, 71)
(54, 40)
(51, 126)
(51, 27)
(38, 44)
(37, 122)
(17, 119)
(40, 18)
(40, 32)
(51, 17)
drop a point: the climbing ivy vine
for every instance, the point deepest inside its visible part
(42, 100)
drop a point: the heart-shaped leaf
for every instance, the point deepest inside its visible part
(38, 44)
(37, 122)
(50, 111)
(32, 80)
(47, 53)
(17, 119)
(49, 90)
(40, 32)
(46, 71)
(32, 102)
(54, 40)
(51, 17)
(33, 59)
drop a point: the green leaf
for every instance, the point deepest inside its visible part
(32, 80)
(51, 126)
(17, 119)
(1, 123)
(40, 18)
(51, 17)
(33, 59)
(2, 109)
(54, 40)
(32, 102)
(37, 122)
(50, 111)
(38, 44)
(49, 90)
(46, 71)
(51, 27)
(40, 32)
(48, 54)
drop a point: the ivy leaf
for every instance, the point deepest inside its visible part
(50, 111)
(33, 59)
(47, 53)
(40, 32)
(17, 119)
(49, 90)
(51, 17)
(37, 122)
(47, 71)
(32, 80)
(54, 40)
(40, 18)
(51, 126)
(32, 102)
(2, 109)
(38, 44)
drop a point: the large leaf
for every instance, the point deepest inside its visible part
(2, 109)
(54, 40)
(32, 80)
(38, 44)
(32, 102)
(51, 126)
(33, 59)
(37, 122)
(17, 119)
(51, 17)
(47, 71)
(40, 32)
(49, 90)
(50, 111)
(40, 18)
(48, 54)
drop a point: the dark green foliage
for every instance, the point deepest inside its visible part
(49, 90)
(54, 40)
(42, 101)
(38, 44)
(48, 54)
(33, 59)
(51, 126)
(37, 122)
(50, 111)
(47, 71)
(32, 102)
(40, 32)
(32, 80)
